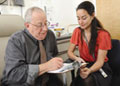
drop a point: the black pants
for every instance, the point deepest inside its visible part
(54, 80)
(94, 79)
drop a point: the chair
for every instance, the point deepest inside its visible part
(8, 25)
(114, 61)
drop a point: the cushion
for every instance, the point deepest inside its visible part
(114, 62)
(10, 24)
(114, 56)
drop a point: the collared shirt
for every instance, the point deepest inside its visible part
(103, 42)
(22, 58)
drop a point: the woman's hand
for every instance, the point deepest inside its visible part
(84, 72)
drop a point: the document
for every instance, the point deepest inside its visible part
(69, 66)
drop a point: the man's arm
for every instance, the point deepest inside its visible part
(17, 70)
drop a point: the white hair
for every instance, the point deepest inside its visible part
(28, 14)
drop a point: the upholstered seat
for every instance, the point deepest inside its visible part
(8, 25)
(114, 62)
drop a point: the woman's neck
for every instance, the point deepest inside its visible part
(88, 30)
(87, 33)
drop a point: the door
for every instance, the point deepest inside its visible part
(108, 12)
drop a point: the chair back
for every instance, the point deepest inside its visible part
(114, 61)
(8, 25)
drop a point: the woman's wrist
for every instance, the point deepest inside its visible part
(76, 58)
(91, 70)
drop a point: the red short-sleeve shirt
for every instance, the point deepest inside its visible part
(103, 42)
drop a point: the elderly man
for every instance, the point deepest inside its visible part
(30, 54)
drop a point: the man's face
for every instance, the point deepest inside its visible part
(38, 25)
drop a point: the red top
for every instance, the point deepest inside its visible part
(103, 42)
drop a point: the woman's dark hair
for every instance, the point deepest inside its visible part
(89, 7)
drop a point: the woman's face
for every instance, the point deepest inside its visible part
(84, 19)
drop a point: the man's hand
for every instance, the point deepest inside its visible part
(53, 64)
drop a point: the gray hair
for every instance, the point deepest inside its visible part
(28, 14)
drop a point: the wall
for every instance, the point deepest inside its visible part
(58, 11)
(10, 9)
(64, 11)
(108, 12)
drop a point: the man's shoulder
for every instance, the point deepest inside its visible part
(17, 35)
(50, 37)
(50, 34)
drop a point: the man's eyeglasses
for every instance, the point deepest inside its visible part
(41, 25)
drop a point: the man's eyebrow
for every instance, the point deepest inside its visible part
(39, 22)
(43, 22)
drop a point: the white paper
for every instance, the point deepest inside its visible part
(68, 67)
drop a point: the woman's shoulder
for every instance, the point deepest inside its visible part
(77, 29)
(76, 32)
(102, 32)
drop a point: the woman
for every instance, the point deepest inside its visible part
(93, 42)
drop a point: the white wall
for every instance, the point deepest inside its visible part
(58, 11)
(64, 11)
(10, 9)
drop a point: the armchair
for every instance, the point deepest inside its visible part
(114, 61)
(8, 25)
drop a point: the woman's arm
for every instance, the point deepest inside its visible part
(100, 60)
(71, 50)
(96, 66)
(71, 54)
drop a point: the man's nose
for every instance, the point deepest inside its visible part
(45, 28)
